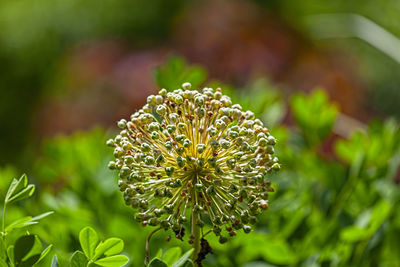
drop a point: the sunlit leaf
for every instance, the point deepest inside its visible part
(109, 247)
(24, 193)
(113, 261)
(44, 253)
(159, 253)
(353, 233)
(15, 187)
(172, 255)
(20, 223)
(89, 240)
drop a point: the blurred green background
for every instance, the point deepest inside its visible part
(324, 76)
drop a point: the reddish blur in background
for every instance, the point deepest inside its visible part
(70, 65)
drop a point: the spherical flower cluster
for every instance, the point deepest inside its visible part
(190, 156)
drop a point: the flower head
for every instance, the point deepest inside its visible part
(190, 156)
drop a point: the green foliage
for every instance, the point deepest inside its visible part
(175, 72)
(269, 105)
(27, 250)
(89, 240)
(78, 259)
(172, 258)
(18, 190)
(96, 252)
(336, 208)
(314, 115)
(381, 139)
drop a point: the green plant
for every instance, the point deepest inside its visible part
(335, 200)
(96, 252)
(27, 250)
(314, 115)
(172, 258)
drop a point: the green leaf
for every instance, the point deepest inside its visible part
(314, 115)
(184, 259)
(113, 261)
(109, 247)
(24, 193)
(172, 255)
(44, 253)
(10, 253)
(41, 216)
(3, 263)
(278, 252)
(379, 214)
(22, 247)
(353, 233)
(54, 261)
(156, 262)
(19, 189)
(15, 187)
(78, 259)
(29, 262)
(36, 250)
(89, 240)
(273, 250)
(20, 223)
(26, 221)
(159, 253)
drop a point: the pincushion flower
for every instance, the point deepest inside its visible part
(191, 157)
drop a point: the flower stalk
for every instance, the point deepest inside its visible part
(196, 241)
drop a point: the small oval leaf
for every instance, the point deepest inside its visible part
(78, 259)
(113, 261)
(89, 240)
(172, 255)
(111, 246)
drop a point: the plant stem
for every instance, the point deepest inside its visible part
(196, 240)
(147, 258)
(3, 228)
